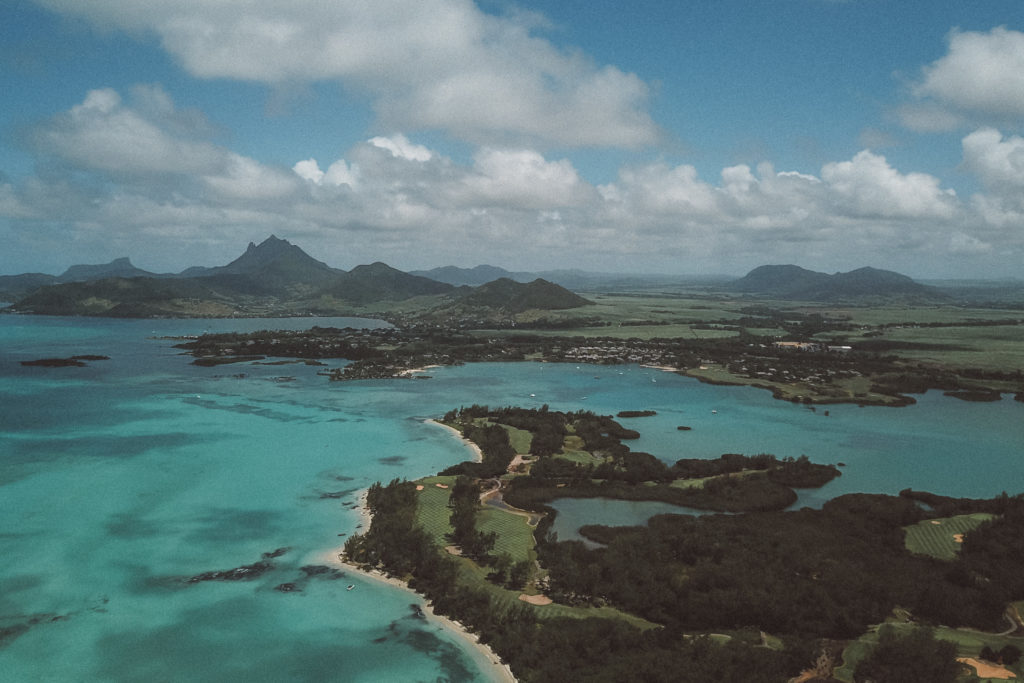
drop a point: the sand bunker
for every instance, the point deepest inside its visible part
(959, 538)
(535, 599)
(987, 669)
(419, 487)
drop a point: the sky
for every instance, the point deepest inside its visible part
(655, 136)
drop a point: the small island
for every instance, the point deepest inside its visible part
(72, 362)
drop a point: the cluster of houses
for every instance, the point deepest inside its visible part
(811, 346)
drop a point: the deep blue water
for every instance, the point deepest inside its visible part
(119, 479)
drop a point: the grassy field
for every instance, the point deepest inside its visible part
(515, 537)
(625, 308)
(519, 439)
(998, 347)
(937, 537)
(432, 510)
(968, 644)
(625, 331)
(852, 389)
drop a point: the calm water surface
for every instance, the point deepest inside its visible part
(120, 479)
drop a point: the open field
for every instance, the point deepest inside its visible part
(625, 308)
(891, 315)
(854, 389)
(968, 644)
(519, 439)
(990, 347)
(938, 537)
(626, 331)
(432, 509)
(515, 536)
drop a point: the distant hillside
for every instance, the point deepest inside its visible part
(794, 282)
(275, 264)
(14, 287)
(120, 267)
(129, 298)
(273, 277)
(380, 282)
(474, 277)
(515, 297)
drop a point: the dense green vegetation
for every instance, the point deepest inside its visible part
(913, 657)
(799, 581)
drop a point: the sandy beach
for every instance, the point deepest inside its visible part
(411, 371)
(498, 671)
(479, 456)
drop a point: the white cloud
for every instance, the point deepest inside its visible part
(439, 64)
(397, 200)
(103, 134)
(982, 72)
(523, 179)
(980, 78)
(249, 180)
(997, 161)
(400, 147)
(868, 186)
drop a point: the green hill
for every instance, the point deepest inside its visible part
(380, 282)
(510, 296)
(794, 282)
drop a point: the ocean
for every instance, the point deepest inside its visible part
(121, 480)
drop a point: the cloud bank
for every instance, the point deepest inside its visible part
(430, 64)
(979, 80)
(123, 170)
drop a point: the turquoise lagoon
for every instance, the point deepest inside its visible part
(120, 479)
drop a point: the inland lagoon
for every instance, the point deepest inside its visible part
(164, 520)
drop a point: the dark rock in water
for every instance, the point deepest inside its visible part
(683, 428)
(334, 494)
(980, 395)
(245, 573)
(72, 362)
(54, 363)
(288, 588)
(9, 633)
(275, 553)
(636, 413)
(321, 571)
(417, 611)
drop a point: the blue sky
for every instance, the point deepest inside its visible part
(680, 137)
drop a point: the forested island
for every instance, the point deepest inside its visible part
(762, 594)
(812, 374)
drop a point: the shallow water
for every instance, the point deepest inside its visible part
(121, 479)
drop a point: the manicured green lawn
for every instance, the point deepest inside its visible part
(432, 511)
(937, 537)
(968, 644)
(519, 439)
(515, 536)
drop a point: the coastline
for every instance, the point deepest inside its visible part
(498, 670)
(478, 454)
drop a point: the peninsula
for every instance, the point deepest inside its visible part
(764, 595)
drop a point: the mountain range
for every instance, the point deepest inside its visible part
(276, 277)
(794, 282)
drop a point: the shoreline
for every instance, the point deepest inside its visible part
(478, 454)
(499, 671)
